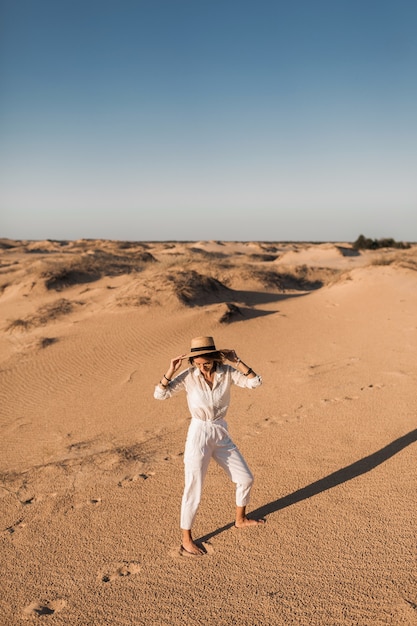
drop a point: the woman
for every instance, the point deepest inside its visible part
(207, 384)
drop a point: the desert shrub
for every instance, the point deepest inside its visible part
(64, 276)
(44, 314)
(127, 245)
(19, 324)
(175, 260)
(192, 287)
(410, 264)
(300, 278)
(44, 342)
(52, 311)
(91, 267)
(133, 301)
(206, 254)
(399, 259)
(267, 258)
(364, 243)
(381, 260)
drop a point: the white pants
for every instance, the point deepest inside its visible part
(206, 440)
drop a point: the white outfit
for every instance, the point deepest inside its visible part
(208, 435)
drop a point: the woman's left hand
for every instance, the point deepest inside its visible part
(229, 355)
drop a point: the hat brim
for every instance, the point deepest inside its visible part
(201, 352)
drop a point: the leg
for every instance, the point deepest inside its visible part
(196, 461)
(232, 461)
(194, 480)
(188, 543)
(242, 521)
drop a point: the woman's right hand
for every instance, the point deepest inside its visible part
(176, 363)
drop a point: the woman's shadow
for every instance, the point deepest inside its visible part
(328, 482)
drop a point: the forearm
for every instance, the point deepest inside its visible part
(174, 366)
(243, 368)
(163, 388)
(166, 379)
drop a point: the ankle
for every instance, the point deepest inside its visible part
(186, 536)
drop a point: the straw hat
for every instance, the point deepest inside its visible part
(201, 345)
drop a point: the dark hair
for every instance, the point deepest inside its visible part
(211, 356)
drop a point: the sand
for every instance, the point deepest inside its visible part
(91, 465)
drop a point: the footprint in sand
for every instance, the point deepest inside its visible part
(128, 480)
(94, 501)
(332, 400)
(15, 527)
(376, 386)
(89, 502)
(349, 398)
(126, 568)
(36, 609)
(79, 446)
(178, 552)
(271, 422)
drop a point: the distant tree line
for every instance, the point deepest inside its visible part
(364, 243)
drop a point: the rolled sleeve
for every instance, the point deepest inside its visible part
(252, 383)
(161, 394)
(241, 380)
(170, 390)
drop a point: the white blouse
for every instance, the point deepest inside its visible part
(205, 403)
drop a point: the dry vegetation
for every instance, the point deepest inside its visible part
(396, 258)
(92, 267)
(45, 314)
(194, 274)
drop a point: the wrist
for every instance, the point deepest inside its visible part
(247, 370)
(165, 381)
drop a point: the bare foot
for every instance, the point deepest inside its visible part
(245, 522)
(192, 548)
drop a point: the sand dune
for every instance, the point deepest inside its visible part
(91, 465)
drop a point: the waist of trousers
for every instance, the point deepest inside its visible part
(207, 420)
(218, 426)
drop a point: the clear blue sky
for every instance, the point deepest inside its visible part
(208, 119)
